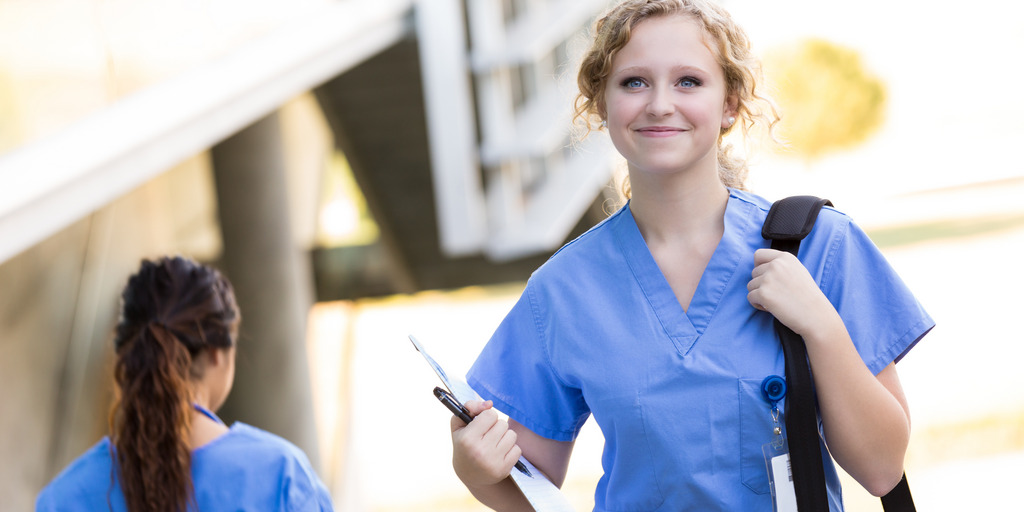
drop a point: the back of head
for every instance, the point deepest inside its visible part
(723, 36)
(172, 309)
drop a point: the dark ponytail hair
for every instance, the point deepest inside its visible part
(172, 309)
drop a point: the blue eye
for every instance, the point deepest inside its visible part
(633, 83)
(689, 82)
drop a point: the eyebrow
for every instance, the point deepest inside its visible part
(645, 70)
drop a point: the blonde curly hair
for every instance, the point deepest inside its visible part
(726, 40)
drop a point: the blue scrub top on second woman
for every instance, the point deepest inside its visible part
(246, 469)
(598, 330)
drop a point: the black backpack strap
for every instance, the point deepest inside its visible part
(899, 498)
(789, 221)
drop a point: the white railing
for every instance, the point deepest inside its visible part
(537, 182)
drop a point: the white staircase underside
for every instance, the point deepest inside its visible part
(48, 185)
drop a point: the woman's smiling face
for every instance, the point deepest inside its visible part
(665, 100)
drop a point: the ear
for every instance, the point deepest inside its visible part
(730, 110)
(216, 356)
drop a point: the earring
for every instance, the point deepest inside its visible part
(731, 120)
(604, 123)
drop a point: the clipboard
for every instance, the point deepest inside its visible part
(543, 495)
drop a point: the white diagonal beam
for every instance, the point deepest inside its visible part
(48, 185)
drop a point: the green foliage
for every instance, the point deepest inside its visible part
(828, 100)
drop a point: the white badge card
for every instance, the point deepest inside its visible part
(780, 475)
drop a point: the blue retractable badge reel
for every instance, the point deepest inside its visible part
(773, 389)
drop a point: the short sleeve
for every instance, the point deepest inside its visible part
(514, 371)
(304, 492)
(883, 317)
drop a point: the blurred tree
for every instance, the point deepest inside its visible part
(828, 100)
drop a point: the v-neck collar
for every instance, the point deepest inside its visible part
(684, 327)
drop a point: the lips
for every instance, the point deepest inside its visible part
(659, 131)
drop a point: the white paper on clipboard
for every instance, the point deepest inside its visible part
(539, 491)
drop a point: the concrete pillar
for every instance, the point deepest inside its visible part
(273, 282)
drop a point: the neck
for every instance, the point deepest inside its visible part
(688, 208)
(200, 396)
(204, 429)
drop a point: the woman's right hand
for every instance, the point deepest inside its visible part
(485, 451)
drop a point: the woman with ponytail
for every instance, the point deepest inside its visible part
(167, 450)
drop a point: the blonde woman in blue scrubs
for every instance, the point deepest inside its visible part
(656, 321)
(168, 451)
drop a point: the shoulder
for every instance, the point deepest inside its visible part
(831, 222)
(830, 216)
(593, 248)
(87, 464)
(745, 196)
(83, 481)
(265, 446)
(597, 235)
(273, 468)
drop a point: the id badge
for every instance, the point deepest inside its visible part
(780, 475)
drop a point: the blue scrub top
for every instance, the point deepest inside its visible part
(246, 469)
(676, 394)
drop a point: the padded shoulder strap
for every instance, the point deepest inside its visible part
(791, 219)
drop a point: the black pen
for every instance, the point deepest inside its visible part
(459, 410)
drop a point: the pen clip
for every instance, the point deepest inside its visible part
(443, 393)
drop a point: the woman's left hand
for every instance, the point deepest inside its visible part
(782, 286)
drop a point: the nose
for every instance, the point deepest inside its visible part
(659, 103)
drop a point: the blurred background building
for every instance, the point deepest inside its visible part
(366, 170)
